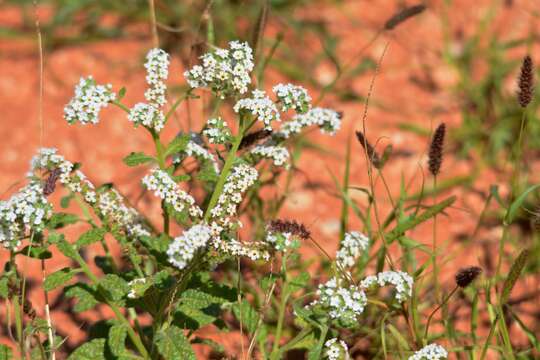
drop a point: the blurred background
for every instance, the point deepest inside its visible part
(454, 62)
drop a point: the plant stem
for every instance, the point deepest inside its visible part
(434, 245)
(437, 309)
(132, 335)
(274, 355)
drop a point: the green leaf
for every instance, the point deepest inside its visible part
(92, 350)
(411, 223)
(67, 249)
(59, 220)
(58, 278)
(117, 339)
(514, 274)
(85, 295)
(91, 236)
(55, 237)
(137, 158)
(5, 352)
(115, 287)
(512, 211)
(298, 282)
(172, 344)
(35, 252)
(246, 315)
(177, 145)
(121, 93)
(65, 200)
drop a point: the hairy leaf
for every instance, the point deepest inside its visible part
(57, 278)
(137, 158)
(514, 274)
(92, 350)
(91, 236)
(172, 344)
(117, 339)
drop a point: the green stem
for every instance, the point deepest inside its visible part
(132, 335)
(437, 309)
(274, 355)
(434, 245)
(225, 171)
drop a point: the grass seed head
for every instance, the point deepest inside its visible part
(372, 154)
(526, 82)
(436, 150)
(465, 276)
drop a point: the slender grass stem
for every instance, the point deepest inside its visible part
(437, 309)
(436, 285)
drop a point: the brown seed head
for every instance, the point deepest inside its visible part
(465, 276)
(526, 82)
(436, 150)
(289, 226)
(372, 154)
(403, 15)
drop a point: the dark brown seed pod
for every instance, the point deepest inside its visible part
(372, 154)
(403, 15)
(289, 226)
(436, 150)
(526, 82)
(465, 276)
(50, 183)
(253, 137)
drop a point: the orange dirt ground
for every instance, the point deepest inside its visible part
(412, 47)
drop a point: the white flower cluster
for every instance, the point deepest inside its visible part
(48, 159)
(329, 121)
(282, 241)
(199, 152)
(137, 287)
(292, 97)
(111, 205)
(279, 154)
(336, 350)
(239, 180)
(217, 131)
(351, 248)
(402, 281)
(147, 115)
(430, 352)
(88, 101)
(24, 211)
(157, 71)
(343, 304)
(166, 189)
(261, 108)
(224, 71)
(183, 248)
(253, 250)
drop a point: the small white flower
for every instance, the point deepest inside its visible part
(217, 131)
(197, 151)
(279, 154)
(430, 352)
(137, 288)
(183, 248)
(239, 180)
(226, 72)
(336, 350)
(292, 97)
(402, 281)
(88, 101)
(351, 248)
(166, 189)
(329, 121)
(252, 250)
(148, 116)
(344, 305)
(157, 68)
(261, 108)
(25, 211)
